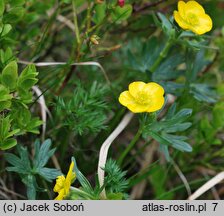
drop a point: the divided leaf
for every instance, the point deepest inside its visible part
(162, 131)
(23, 165)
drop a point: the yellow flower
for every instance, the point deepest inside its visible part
(143, 97)
(192, 16)
(63, 184)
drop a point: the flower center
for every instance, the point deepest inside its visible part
(143, 99)
(193, 19)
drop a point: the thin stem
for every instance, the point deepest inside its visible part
(130, 146)
(88, 17)
(47, 188)
(162, 55)
(76, 23)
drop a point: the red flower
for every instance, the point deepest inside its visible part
(121, 3)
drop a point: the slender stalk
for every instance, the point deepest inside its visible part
(47, 188)
(162, 55)
(130, 146)
(76, 23)
(88, 17)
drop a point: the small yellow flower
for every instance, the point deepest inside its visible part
(63, 184)
(192, 16)
(143, 97)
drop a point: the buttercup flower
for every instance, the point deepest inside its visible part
(143, 97)
(63, 184)
(192, 16)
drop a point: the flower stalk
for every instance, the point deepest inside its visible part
(130, 146)
(162, 55)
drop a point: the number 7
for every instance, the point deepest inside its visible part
(215, 205)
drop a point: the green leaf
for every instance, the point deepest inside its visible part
(165, 150)
(18, 164)
(49, 174)
(15, 3)
(6, 141)
(207, 130)
(115, 181)
(158, 180)
(10, 75)
(159, 138)
(7, 144)
(81, 178)
(26, 81)
(30, 182)
(22, 119)
(2, 7)
(166, 25)
(100, 13)
(168, 68)
(178, 127)
(4, 94)
(218, 115)
(171, 123)
(142, 54)
(115, 196)
(33, 125)
(86, 111)
(28, 171)
(121, 13)
(203, 92)
(6, 56)
(178, 143)
(24, 157)
(5, 98)
(14, 15)
(6, 29)
(43, 154)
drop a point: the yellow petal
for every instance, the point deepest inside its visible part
(135, 87)
(71, 175)
(157, 104)
(205, 25)
(137, 108)
(182, 9)
(59, 183)
(61, 195)
(125, 98)
(194, 7)
(154, 89)
(180, 21)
